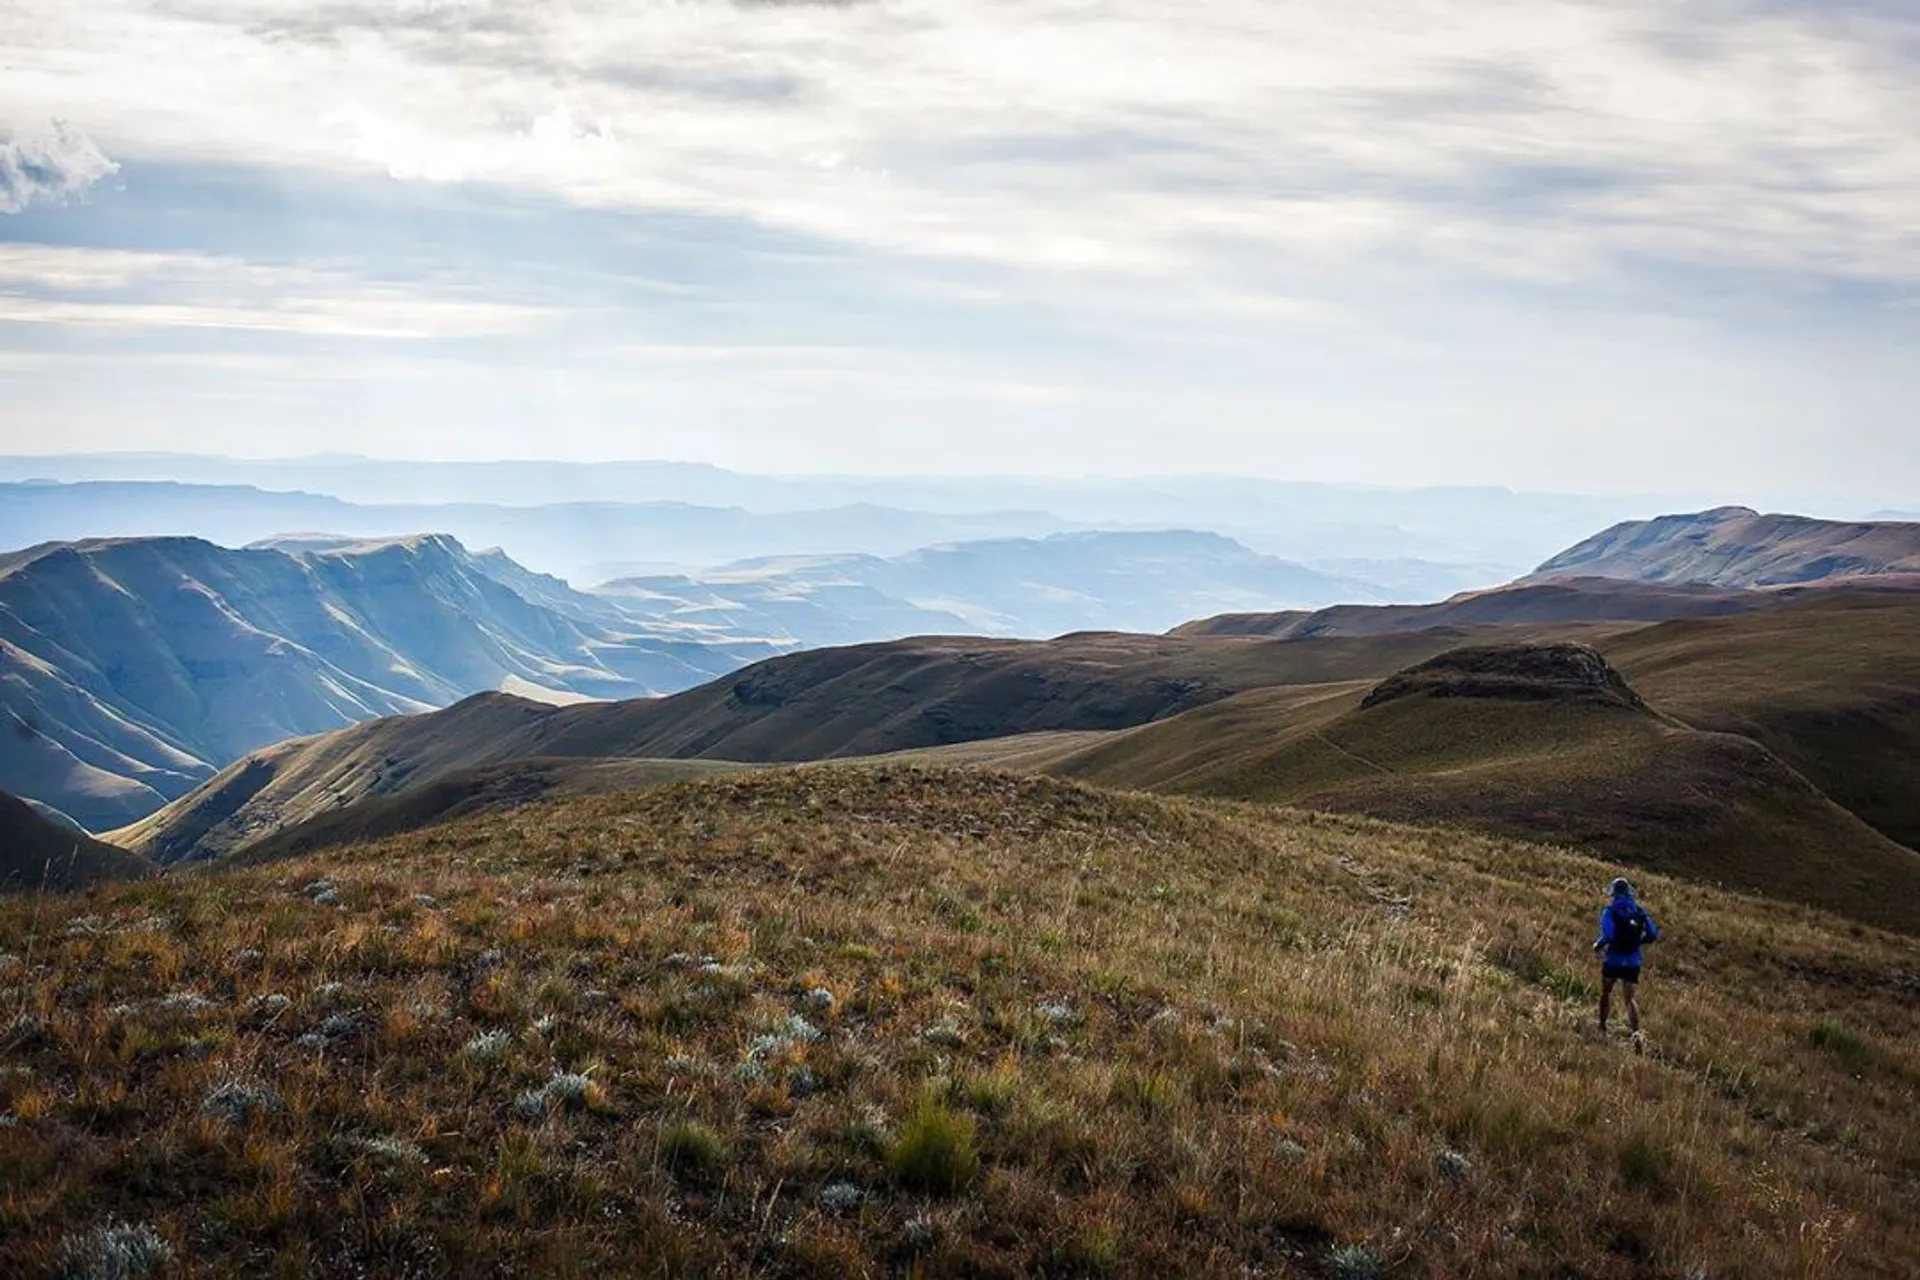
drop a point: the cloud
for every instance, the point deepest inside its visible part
(1589, 142)
(52, 165)
(118, 289)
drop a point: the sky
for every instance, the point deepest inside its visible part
(1552, 244)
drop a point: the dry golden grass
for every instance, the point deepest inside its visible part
(866, 1021)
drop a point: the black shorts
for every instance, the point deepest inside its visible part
(1620, 972)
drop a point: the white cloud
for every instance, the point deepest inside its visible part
(104, 288)
(53, 164)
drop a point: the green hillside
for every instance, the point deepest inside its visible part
(841, 1021)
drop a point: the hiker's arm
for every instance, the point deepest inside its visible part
(1653, 930)
(1606, 930)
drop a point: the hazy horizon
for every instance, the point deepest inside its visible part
(1803, 503)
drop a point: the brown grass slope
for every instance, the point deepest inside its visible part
(463, 793)
(38, 853)
(1539, 742)
(1830, 684)
(1740, 547)
(855, 1022)
(828, 703)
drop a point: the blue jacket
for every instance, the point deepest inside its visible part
(1631, 959)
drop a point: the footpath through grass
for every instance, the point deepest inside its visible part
(859, 1022)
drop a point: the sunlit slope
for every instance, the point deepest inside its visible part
(1740, 547)
(305, 778)
(842, 1021)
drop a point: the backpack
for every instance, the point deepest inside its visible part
(1629, 928)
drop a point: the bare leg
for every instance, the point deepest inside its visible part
(1606, 999)
(1633, 1006)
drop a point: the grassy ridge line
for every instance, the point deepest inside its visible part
(1040, 1028)
(861, 700)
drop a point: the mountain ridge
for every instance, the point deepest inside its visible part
(1741, 547)
(131, 669)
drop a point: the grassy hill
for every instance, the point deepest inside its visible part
(846, 1021)
(1523, 741)
(1774, 750)
(38, 853)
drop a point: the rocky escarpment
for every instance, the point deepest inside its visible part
(1559, 672)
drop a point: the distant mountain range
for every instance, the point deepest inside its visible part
(130, 670)
(1029, 587)
(1417, 544)
(585, 542)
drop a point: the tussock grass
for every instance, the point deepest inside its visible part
(935, 1151)
(857, 1022)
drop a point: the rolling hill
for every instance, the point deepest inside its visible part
(1767, 748)
(1829, 684)
(820, 704)
(37, 853)
(1544, 742)
(131, 670)
(1740, 547)
(846, 1020)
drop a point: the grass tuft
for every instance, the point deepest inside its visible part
(114, 1251)
(693, 1150)
(935, 1150)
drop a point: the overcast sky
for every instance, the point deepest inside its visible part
(1544, 243)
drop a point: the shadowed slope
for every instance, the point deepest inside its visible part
(36, 852)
